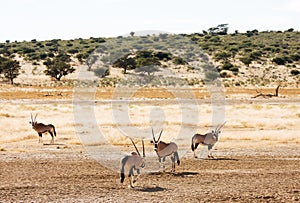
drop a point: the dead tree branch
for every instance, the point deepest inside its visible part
(267, 95)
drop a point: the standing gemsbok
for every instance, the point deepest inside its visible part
(132, 162)
(41, 128)
(208, 139)
(165, 149)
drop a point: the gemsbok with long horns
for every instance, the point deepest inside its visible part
(131, 163)
(208, 139)
(163, 150)
(41, 128)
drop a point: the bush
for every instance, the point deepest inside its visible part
(51, 55)
(295, 72)
(255, 55)
(234, 69)
(281, 60)
(179, 61)
(223, 55)
(227, 65)
(43, 56)
(101, 72)
(295, 57)
(246, 60)
(72, 51)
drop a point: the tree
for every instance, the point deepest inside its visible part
(10, 68)
(90, 61)
(59, 66)
(221, 29)
(152, 61)
(126, 62)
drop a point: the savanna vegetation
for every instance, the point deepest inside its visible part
(234, 54)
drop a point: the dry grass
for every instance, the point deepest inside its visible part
(36, 92)
(28, 137)
(246, 122)
(6, 115)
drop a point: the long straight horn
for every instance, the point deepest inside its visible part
(159, 135)
(221, 126)
(31, 117)
(35, 117)
(144, 155)
(153, 135)
(135, 147)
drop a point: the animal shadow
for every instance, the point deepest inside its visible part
(185, 173)
(54, 144)
(219, 159)
(151, 189)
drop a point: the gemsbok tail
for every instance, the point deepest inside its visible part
(192, 146)
(123, 169)
(177, 157)
(53, 128)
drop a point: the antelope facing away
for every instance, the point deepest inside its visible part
(41, 128)
(165, 149)
(132, 162)
(208, 139)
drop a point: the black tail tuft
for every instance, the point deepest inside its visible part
(177, 157)
(122, 177)
(122, 168)
(192, 146)
(53, 129)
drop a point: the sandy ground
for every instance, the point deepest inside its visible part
(257, 157)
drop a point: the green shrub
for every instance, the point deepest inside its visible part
(179, 61)
(281, 60)
(295, 57)
(234, 69)
(102, 72)
(227, 65)
(222, 55)
(246, 60)
(295, 72)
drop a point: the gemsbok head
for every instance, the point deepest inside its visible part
(131, 163)
(209, 139)
(41, 128)
(163, 150)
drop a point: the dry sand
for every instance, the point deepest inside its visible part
(257, 157)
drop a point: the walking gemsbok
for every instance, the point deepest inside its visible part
(165, 149)
(208, 139)
(132, 162)
(41, 128)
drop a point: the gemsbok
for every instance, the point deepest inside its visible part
(163, 150)
(41, 128)
(131, 163)
(209, 139)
